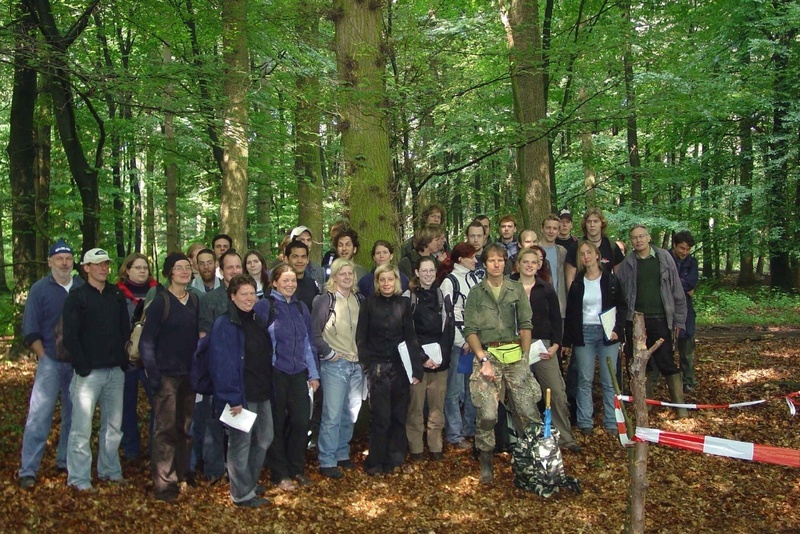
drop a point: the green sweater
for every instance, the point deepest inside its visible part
(648, 288)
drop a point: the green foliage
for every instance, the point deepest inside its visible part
(762, 306)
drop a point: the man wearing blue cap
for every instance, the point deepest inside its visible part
(42, 310)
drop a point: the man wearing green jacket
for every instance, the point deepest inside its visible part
(497, 326)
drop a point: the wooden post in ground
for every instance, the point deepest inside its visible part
(637, 468)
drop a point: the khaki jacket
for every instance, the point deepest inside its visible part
(497, 320)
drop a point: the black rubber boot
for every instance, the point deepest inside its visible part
(487, 473)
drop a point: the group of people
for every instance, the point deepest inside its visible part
(437, 340)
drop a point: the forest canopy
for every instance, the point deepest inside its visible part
(146, 125)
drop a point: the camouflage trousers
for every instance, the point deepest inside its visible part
(515, 379)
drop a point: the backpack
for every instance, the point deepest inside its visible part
(132, 345)
(537, 464)
(332, 303)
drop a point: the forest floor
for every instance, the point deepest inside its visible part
(688, 492)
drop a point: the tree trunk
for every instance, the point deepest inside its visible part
(746, 234)
(58, 70)
(150, 247)
(21, 157)
(777, 172)
(630, 121)
(360, 59)
(523, 33)
(307, 163)
(637, 489)
(41, 172)
(263, 209)
(233, 198)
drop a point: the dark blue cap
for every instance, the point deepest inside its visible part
(60, 247)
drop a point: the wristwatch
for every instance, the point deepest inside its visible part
(484, 360)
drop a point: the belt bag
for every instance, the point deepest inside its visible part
(510, 353)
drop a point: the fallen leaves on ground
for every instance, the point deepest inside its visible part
(688, 492)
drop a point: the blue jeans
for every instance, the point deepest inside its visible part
(103, 386)
(246, 452)
(457, 427)
(343, 382)
(131, 440)
(592, 348)
(52, 377)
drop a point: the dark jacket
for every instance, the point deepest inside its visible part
(167, 346)
(689, 273)
(384, 323)
(612, 295)
(434, 322)
(96, 327)
(546, 317)
(226, 358)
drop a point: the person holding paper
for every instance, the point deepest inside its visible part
(594, 291)
(334, 318)
(497, 326)
(435, 326)
(548, 328)
(384, 322)
(240, 363)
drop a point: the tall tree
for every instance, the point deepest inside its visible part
(21, 155)
(777, 171)
(360, 59)
(235, 57)
(59, 71)
(521, 21)
(307, 163)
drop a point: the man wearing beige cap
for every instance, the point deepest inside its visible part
(96, 327)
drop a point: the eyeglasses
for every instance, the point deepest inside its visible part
(181, 268)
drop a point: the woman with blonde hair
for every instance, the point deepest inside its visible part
(384, 323)
(334, 319)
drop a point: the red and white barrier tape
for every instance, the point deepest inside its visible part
(790, 401)
(622, 428)
(706, 444)
(721, 447)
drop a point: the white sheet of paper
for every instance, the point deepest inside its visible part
(198, 398)
(434, 352)
(244, 421)
(402, 348)
(537, 348)
(608, 319)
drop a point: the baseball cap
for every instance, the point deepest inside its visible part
(297, 230)
(96, 255)
(60, 247)
(565, 214)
